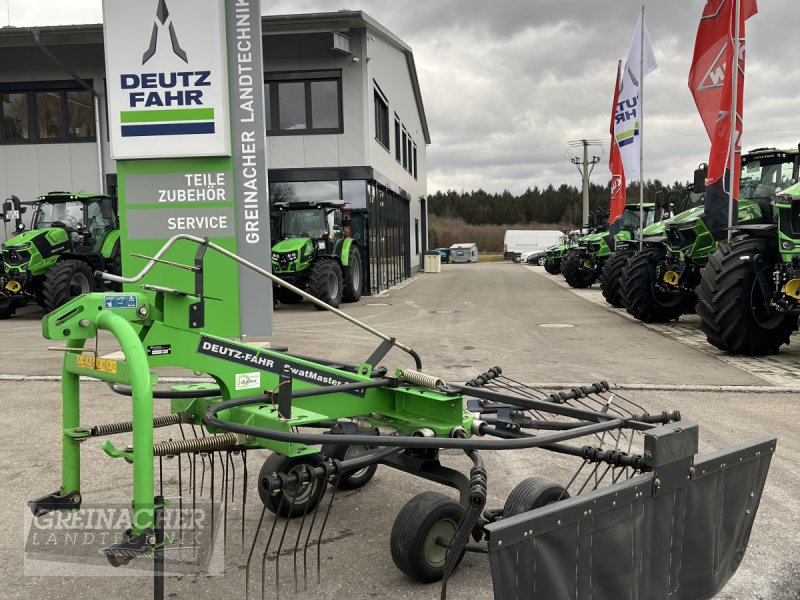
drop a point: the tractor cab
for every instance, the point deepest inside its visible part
(86, 218)
(318, 221)
(313, 250)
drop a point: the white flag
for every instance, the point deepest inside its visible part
(628, 116)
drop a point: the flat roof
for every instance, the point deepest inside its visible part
(341, 20)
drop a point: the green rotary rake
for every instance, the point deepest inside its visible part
(628, 510)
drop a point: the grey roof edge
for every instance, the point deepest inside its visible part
(59, 34)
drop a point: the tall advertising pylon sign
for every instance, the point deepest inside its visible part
(186, 124)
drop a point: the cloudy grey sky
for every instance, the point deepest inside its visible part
(508, 83)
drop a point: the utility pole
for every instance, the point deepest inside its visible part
(585, 168)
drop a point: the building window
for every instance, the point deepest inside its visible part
(405, 149)
(416, 236)
(414, 163)
(397, 147)
(15, 117)
(303, 103)
(381, 118)
(44, 112)
(409, 166)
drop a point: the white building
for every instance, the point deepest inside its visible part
(345, 120)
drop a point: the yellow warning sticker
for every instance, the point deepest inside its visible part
(106, 365)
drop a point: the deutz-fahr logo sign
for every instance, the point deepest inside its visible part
(167, 78)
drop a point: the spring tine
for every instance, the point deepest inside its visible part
(202, 458)
(161, 476)
(305, 544)
(324, 522)
(299, 533)
(571, 481)
(211, 462)
(194, 487)
(250, 555)
(224, 491)
(180, 494)
(244, 491)
(588, 479)
(599, 481)
(269, 542)
(233, 476)
(280, 544)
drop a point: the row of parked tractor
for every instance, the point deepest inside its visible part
(746, 289)
(69, 237)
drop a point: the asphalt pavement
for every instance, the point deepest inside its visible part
(461, 321)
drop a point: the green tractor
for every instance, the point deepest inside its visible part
(660, 282)
(582, 266)
(612, 273)
(749, 293)
(314, 252)
(70, 237)
(556, 253)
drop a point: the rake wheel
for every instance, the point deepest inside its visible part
(530, 493)
(421, 525)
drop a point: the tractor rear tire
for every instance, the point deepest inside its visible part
(350, 480)
(285, 296)
(351, 274)
(531, 493)
(639, 295)
(66, 280)
(552, 267)
(325, 282)
(611, 276)
(8, 311)
(730, 303)
(291, 502)
(419, 523)
(575, 276)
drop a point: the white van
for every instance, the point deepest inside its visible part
(517, 241)
(464, 253)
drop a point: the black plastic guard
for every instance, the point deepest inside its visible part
(637, 540)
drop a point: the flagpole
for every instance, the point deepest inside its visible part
(641, 137)
(734, 71)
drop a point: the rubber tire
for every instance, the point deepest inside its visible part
(349, 480)
(285, 296)
(318, 282)
(56, 290)
(541, 261)
(724, 301)
(611, 277)
(412, 529)
(8, 311)
(638, 290)
(574, 276)
(517, 258)
(531, 493)
(351, 292)
(278, 463)
(552, 266)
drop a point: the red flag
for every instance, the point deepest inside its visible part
(618, 188)
(710, 86)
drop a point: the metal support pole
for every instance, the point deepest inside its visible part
(158, 552)
(70, 420)
(641, 137)
(734, 72)
(585, 183)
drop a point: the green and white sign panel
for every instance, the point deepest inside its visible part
(186, 119)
